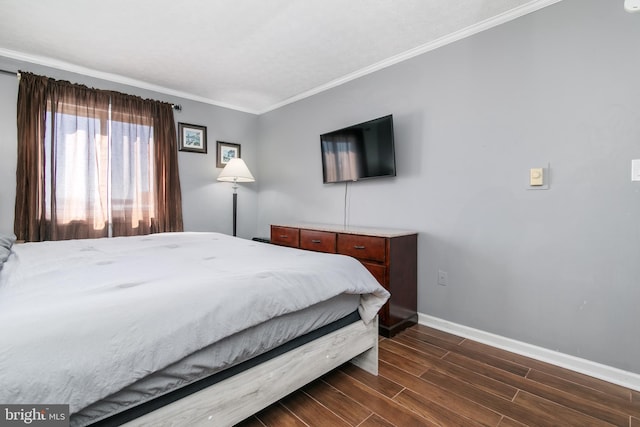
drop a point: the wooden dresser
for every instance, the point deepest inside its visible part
(390, 255)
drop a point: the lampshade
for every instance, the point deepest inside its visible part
(236, 170)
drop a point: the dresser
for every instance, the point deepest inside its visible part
(390, 255)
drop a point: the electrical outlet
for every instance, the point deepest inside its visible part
(635, 170)
(443, 278)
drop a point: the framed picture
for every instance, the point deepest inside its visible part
(192, 138)
(225, 152)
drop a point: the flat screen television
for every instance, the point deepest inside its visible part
(357, 152)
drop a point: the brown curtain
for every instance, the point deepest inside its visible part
(32, 109)
(88, 160)
(168, 194)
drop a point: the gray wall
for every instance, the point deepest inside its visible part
(207, 203)
(8, 153)
(558, 268)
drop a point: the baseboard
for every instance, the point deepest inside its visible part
(597, 370)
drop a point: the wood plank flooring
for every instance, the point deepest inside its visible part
(431, 378)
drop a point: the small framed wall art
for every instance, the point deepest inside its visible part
(226, 151)
(192, 138)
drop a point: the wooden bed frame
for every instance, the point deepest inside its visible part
(237, 398)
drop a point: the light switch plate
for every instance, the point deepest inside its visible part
(538, 178)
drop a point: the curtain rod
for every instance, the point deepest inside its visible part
(14, 73)
(176, 107)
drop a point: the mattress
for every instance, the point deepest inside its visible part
(90, 318)
(218, 357)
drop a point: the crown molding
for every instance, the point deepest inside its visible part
(442, 41)
(116, 78)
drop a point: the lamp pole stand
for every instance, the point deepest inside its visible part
(235, 171)
(235, 205)
(235, 211)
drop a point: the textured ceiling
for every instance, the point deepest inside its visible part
(250, 55)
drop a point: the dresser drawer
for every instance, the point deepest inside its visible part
(321, 241)
(285, 236)
(362, 247)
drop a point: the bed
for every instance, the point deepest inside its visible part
(110, 326)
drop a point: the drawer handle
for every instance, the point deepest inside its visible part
(358, 247)
(316, 241)
(284, 236)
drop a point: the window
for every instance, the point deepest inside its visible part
(102, 162)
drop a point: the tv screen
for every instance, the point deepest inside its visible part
(361, 151)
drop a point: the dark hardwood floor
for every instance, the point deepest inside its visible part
(431, 378)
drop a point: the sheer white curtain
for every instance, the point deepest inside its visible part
(132, 170)
(100, 167)
(76, 153)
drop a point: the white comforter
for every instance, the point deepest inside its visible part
(81, 319)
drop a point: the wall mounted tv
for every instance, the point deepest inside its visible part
(361, 151)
